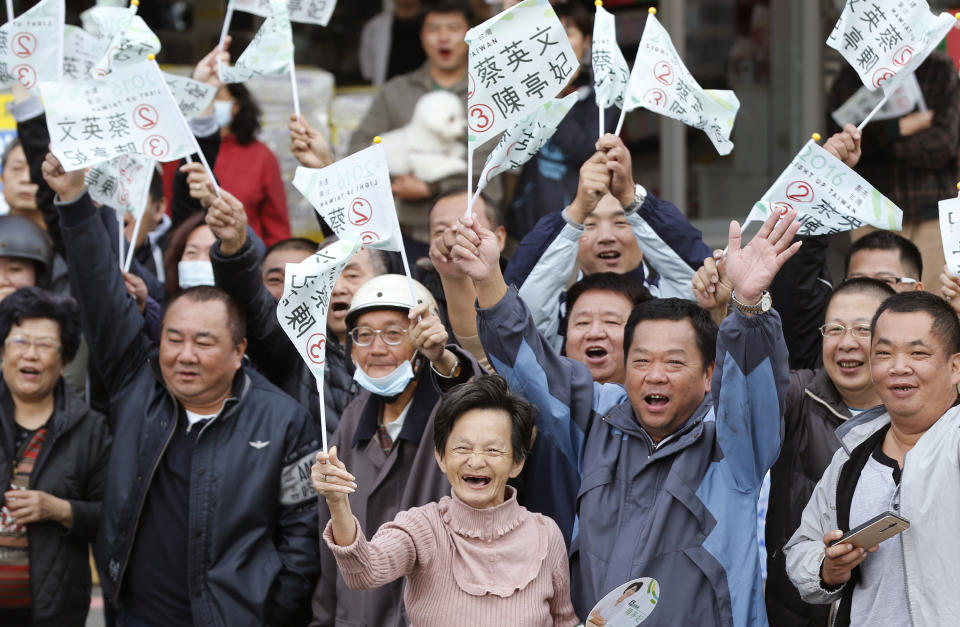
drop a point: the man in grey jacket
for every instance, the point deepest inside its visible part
(900, 458)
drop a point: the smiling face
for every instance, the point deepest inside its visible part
(478, 457)
(442, 39)
(915, 375)
(198, 358)
(19, 192)
(665, 378)
(379, 358)
(607, 243)
(31, 368)
(847, 358)
(595, 333)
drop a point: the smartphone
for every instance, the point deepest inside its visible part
(875, 531)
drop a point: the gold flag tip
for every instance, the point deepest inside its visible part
(135, 3)
(598, 3)
(957, 15)
(816, 137)
(151, 57)
(377, 139)
(958, 186)
(652, 10)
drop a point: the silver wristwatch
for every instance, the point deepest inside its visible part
(639, 195)
(766, 302)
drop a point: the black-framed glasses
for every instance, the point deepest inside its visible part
(838, 330)
(392, 335)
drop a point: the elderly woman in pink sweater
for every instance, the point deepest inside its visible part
(477, 557)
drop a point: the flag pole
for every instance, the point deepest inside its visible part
(875, 111)
(9, 10)
(323, 414)
(226, 26)
(469, 178)
(133, 241)
(293, 88)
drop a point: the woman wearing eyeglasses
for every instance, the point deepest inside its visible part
(402, 366)
(476, 557)
(53, 458)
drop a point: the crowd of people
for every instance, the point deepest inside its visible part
(597, 414)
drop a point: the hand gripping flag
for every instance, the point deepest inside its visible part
(518, 59)
(886, 40)
(306, 11)
(353, 196)
(269, 54)
(31, 46)
(610, 70)
(661, 83)
(128, 111)
(828, 196)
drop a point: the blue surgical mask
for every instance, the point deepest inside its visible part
(387, 386)
(194, 273)
(223, 112)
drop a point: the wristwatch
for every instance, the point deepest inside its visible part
(639, 195)
(454, 371)
(762, 307)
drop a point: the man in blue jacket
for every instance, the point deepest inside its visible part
(209, 518)
(671, 463)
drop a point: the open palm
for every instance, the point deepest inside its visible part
(752, 268)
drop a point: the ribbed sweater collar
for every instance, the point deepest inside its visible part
(486, 524)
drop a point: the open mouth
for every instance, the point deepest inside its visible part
(596, 352)
(476, 481)
(849, 364)
(339, 308)
(29, 372)
(609, 255)
(656, 400)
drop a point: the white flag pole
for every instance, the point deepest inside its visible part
(293, 87)
(9, 10)
(120, 239)
(600, 134)
(469, 178)
(875, 111)
(226, 26)
(623, 114)
(323, 414)
(133, 241)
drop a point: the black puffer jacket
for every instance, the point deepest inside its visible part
(73, 466)
(814, 410)
(270, 348)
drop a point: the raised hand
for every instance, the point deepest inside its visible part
(207, 70)
(620, 168)
(307, 144)
(68, 185)
(137, 288)
(330, 477)
(711, 286)
(594, 183)
(845, 145)
(228, 221)
(475, 251)
(427, 333)
(752, 268)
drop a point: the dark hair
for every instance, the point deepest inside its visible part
(945, 326)
(624, 284)
(703, 325)
(156, 186)
(236, 320)
(636, 585)
(175, 247)
(245, 124)
(9, 149)
(485, 392)
(910, 257)
(35, 302)
(575, 14)
(294, 243)
(462, 7)
(863, 285)
(492, 211)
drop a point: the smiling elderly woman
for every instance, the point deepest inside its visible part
(508, 565)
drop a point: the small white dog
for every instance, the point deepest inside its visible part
(432, 146)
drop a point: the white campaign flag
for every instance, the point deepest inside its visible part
(518, 59)
(525, 138)
(81, 51)
(886, 40)
(192, 96)
(270, 53)
(306, 11)
(128, 111)
(122, 183)
(124, 37)
(31, 46)
(905, 99)
(610, 69)
(354, 198)
(660, 82)
(950, 232)
(828, 196)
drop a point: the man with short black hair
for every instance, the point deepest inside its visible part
(887, 257)
(208, 517)
(900, 458)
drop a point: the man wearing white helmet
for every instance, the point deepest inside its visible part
(403, 363)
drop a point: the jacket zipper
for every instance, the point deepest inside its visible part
(825, 404)
(136, 524)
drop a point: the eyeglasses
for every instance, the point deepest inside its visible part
(838, 330)
(889, 280)
(21, 344)
(392, 335)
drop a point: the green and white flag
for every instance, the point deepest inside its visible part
(660, 82)
(950, 233)
(610, 70)
(306, 11)
(124, 37)
(192, 96)
(122, 183)
(269, 54)
(31, 46)
(828, 196)
(81, 51)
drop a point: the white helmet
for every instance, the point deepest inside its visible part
(388, 291)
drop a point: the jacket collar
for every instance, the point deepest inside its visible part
(822, 390)
(421, 77)
(622, 417)
(67, 409)
(421, 408)
(855, 432)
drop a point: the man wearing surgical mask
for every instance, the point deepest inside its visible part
(403, 363)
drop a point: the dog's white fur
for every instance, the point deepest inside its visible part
(432, 145)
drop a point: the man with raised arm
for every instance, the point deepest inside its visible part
(672, 461)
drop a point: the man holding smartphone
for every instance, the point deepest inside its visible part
(910, 578)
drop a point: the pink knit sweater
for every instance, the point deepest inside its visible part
(498, 566)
